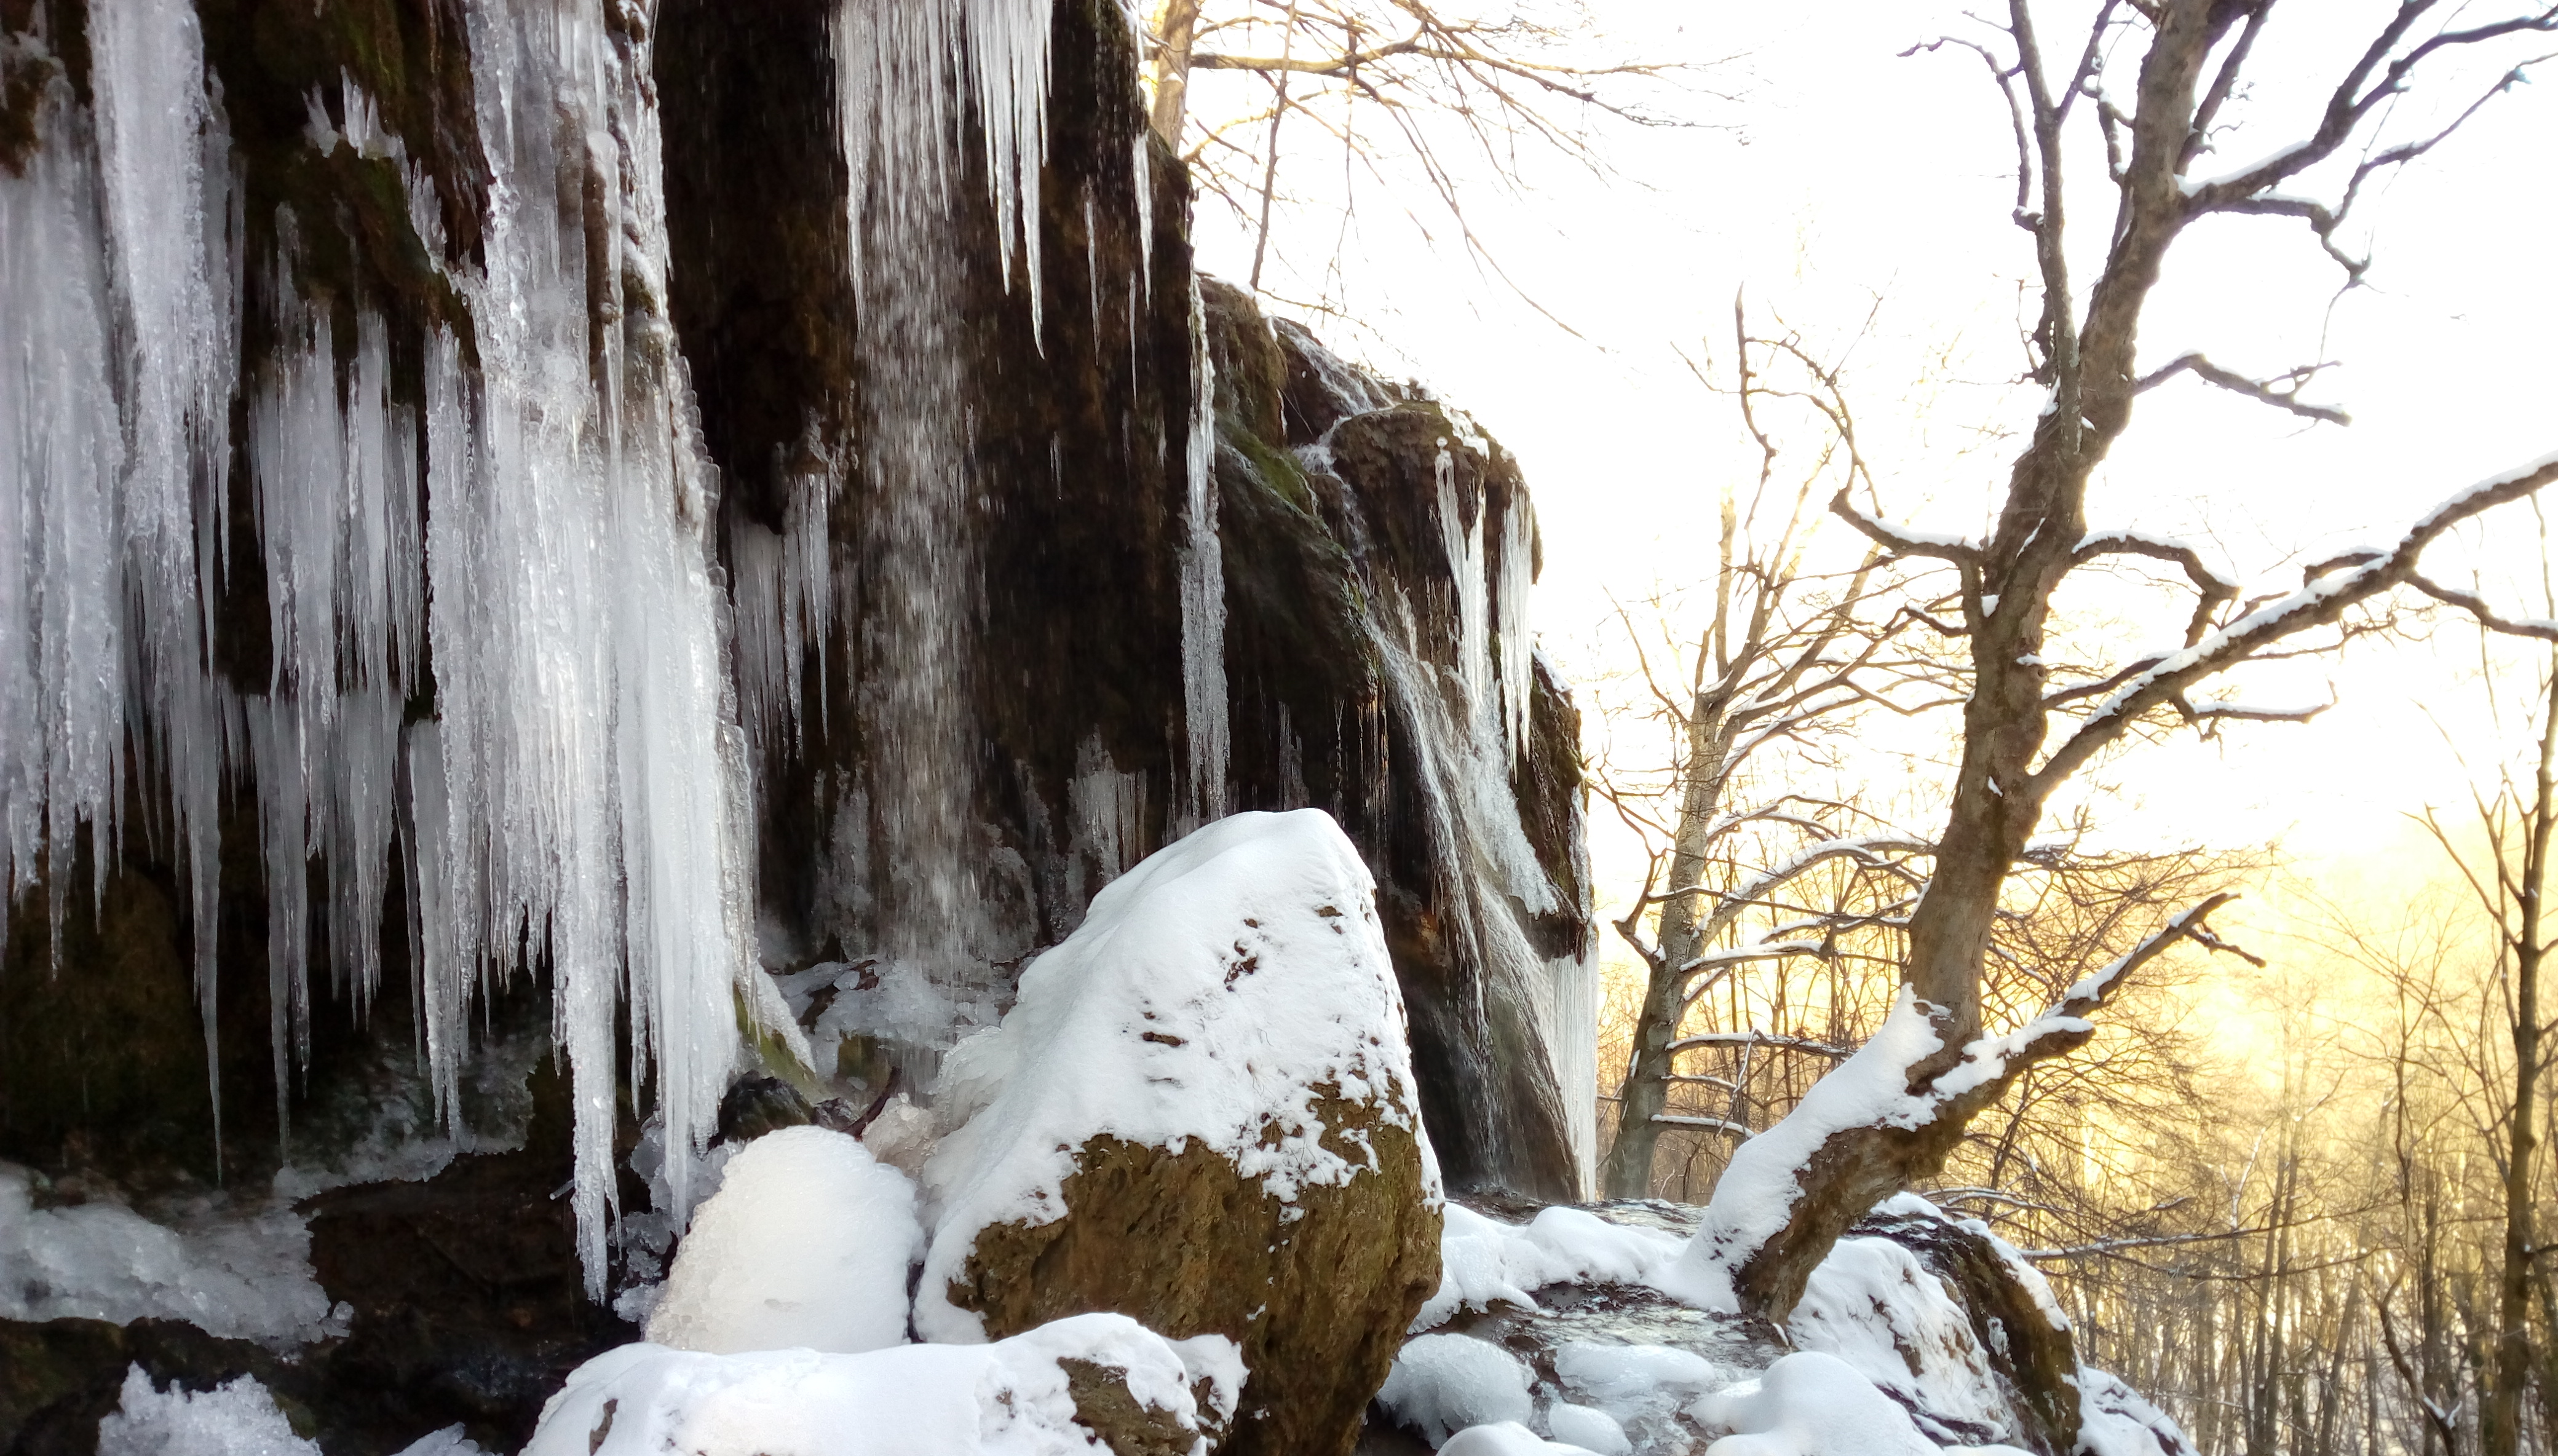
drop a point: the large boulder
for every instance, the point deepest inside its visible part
(1201, 1115)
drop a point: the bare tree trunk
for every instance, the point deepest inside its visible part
(1628, 1170)
(1176, 27)
(2501, 1412)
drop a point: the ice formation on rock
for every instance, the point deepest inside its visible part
(241, 1273)
(237, 1419)
(583, 786)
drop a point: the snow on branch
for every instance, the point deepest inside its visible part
(1740, 954)
(2128, 542)
(2262, 390)
(2473, 604)
(2321, 602)
(1905, 541)
(1773, 1043)
(1710, 1124)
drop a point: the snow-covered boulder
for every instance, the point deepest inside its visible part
(1201, 1113)
(1074, 1388)
(807, 1243)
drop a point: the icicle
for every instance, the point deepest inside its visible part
(1203, 560)
(1143, 167)
(1464, 540)
(173, 232)
(783, 588)
(588, 772)
(1516, 568)
(63, 632)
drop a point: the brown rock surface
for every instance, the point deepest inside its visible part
(1317, 1292)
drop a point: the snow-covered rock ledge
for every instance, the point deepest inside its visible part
(1921, 1332)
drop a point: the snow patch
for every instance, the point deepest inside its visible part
(1505, 1438)
(1483, 1262)
(1587, 1427)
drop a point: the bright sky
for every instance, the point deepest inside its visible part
(1841, 175)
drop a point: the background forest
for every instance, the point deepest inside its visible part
(2297, 1192)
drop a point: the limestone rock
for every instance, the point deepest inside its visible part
(1201, 1115)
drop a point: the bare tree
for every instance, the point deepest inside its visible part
(1365, 79)
(1788, 657)
(1892, 1114)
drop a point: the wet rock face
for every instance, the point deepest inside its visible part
(1334, 493)
(468, 1302)
(1317, 1292)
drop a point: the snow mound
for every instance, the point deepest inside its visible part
(807, 1244)
(1587, 1427)
(1483, 1262)
(1505, 1438)
(245, 1277)
(1636, 1383)
(1810, 1404)
(237, 1419)
(1442, 1383)
(1013, 1397)
(1157, 1022)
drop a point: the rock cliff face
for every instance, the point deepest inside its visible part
(534, 512)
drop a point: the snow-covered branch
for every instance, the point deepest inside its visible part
(2322, 601)
(1905, 541)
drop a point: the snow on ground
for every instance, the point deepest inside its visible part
(1219, 992)
(1810, 1405)
(806, 1243)
(1636, 1384)
(237, 1419)
(1505, 1438)
(2117, 1420)
(246, 1276)
(1007, 1399)
(1483, 1262)
(1443, 1384)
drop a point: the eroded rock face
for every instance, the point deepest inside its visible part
(1201, 1115)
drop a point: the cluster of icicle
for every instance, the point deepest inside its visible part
(536, 526)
